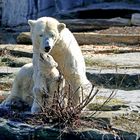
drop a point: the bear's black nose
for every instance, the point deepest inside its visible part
(41, 56)
(47, 48)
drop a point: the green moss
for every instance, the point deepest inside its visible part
(113, 101)
(98, 107)
(90, 62)
(113, 105)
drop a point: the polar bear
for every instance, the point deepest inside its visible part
(21, 88)
(51, 36)
(49, 82)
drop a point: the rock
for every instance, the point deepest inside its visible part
(135, 108)
(8, 70)
(7, 37)
(88, 38)
(94, 38)
(121, 20)
(24, 38)
(135, 19)
(122, 60)
(116, 81)
(115, 70)
(13, 15)
(128, 98)
(81, 25)
(17, 131)
(16, 50)
(16, 13)
(15, 61)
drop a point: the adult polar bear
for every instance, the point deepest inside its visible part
(49, 35)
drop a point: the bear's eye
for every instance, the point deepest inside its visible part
(40, 35)
(52, 35)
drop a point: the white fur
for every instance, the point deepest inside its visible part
(23, 85)
(64, 49)
(48, 81)
(48, 32)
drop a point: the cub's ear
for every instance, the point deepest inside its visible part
(61, 26)
(31, 23)
(55, 64)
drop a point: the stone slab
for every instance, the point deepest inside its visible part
(127, 97)
(16, 50)
(92, 38)
(80, 25)
(17, 131)
(8, 70)
(124, 60)
(135, 19)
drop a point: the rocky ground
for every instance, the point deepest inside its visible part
(111, 67)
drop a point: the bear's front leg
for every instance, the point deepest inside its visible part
(35, 67)
(81, 88)
(37, 94)
(75, 86)
(37, 105)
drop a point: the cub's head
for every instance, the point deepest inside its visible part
(45, 32)
(46, 61)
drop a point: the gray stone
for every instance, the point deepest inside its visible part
(8, 70)
(124, 60)
(120, 20)
(15, 130)
(14, 61)
(24, 38)
(128, 97)
(12, 12)
(16, 50)
(135, 19)
(16, 12)
(95, 38)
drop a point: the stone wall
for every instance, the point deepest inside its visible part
(16, 12)
(0, 11)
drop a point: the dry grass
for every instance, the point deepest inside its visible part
(129, 122)
(67, 116)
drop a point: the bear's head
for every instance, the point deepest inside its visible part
(47, 62)
(45, 32)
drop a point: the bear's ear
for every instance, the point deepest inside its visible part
(61, 26)
(31, 23)
(55, 64)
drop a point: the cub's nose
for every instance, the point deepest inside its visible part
(47, 48)
(41, 56)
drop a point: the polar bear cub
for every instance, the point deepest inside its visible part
(49, 81)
